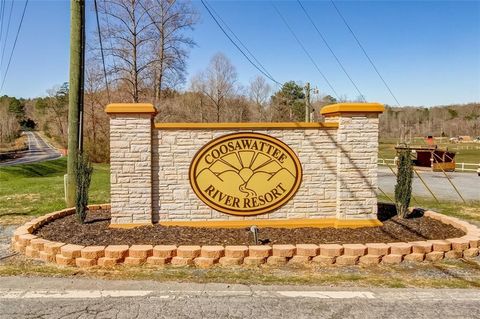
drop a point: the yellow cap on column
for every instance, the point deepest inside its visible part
(337, 109)
(130, 108)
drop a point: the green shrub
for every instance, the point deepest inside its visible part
(403, 188)
(84, 177)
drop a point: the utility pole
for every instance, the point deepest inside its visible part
(307, 102)
(75, 101)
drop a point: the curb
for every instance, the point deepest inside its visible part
(64, 254)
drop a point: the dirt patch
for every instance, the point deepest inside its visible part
(96, 232)
(13, 219)
(21, 197)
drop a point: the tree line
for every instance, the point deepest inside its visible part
(215, 95)
(146, 45)
(14, 118)
(447, 120)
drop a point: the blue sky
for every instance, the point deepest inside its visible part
(428, 51)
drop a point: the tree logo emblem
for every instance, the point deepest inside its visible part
(245, 174)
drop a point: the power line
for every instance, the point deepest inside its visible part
(243, 45)
(2, 13)
(331, 50)
(236, 45)
(306, 52)
(6, 35)
(14, 45)
(365, 52)
(101, 50)
(108, 30)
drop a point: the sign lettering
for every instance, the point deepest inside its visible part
(245, 174)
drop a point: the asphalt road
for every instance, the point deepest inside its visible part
(38, 151)
(92, 298)
(468, 184)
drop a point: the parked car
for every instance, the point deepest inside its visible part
(476, 139)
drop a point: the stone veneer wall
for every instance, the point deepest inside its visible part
(150, 166)
(357, 156)
(131, 168)
(174, 199)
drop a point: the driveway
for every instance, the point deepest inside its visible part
(38, 151)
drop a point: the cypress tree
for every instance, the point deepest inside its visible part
(403, 188)
(83, 179)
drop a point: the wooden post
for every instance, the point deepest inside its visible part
(307, 102)
(77, 20)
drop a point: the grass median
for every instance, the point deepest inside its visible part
(443, 274)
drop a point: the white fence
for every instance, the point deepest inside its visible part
(389, 161)
(464, 147)
(459, 167)
(466, 167)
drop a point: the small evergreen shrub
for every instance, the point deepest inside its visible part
(403, 188)
(84, 177)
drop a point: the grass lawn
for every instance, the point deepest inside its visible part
(469, 211)
(445, 274)
(37, 189)
(466, 152)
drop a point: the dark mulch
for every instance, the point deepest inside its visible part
(96, 232)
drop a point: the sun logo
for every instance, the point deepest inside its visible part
(245, 174)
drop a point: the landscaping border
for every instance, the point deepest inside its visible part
(65, 254)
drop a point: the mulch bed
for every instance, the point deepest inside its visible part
(96, 232)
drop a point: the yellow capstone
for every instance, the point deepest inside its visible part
(338, 108)
(131, 108)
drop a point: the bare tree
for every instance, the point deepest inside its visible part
(218, 82)
(171, 18)
(198, 86)
(259, 92)
(131, 35)
(95, 120)
(146, 44)
(9, 127)
(54, 107)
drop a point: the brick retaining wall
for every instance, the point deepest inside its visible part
(66, 254)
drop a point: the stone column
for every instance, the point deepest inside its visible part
(131, 163)
(357, 154)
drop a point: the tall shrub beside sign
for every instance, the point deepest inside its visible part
(403, 188)
(84, 177)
